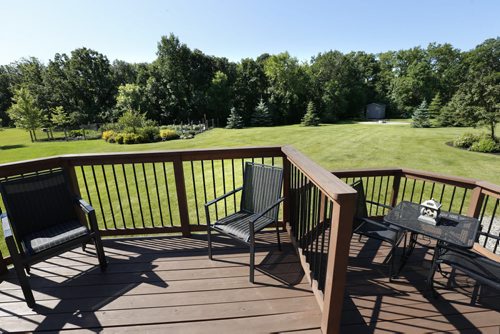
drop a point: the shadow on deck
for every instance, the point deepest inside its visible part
(167, 284)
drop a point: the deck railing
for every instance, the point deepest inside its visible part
(457, 194)
(164, 192)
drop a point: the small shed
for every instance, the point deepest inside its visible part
(375, 111)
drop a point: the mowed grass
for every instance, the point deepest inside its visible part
(133, 199)
(337, 146)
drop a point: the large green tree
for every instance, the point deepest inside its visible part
(250, 86)
(25, 113)
(90, 84)
(482, 87)
(287, 90)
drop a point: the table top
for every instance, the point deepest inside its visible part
(451, 228)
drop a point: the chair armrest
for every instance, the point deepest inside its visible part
(7, 231)
(269, 208)
(380, 204)
(86, 207)
(223, 196)
(387, 226)
(90, 212)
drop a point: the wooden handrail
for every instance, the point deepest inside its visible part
(330, 184)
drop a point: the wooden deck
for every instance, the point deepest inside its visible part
(167, 284)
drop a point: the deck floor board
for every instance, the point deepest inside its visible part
(167, 284)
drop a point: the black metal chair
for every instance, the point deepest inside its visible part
(483, 270)
(260, 200)
(379, 230)
(43, 219)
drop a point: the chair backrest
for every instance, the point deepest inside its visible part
(37, 201)
(361, 211)
(261, 188)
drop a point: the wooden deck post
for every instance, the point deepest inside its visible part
(395, 189)
(286, 191)
(180, 186)
(476, 202)
(340, 238)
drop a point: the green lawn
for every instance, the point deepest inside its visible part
(338, 146)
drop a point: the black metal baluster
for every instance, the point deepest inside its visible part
(234, 184)
(378, 197)
(422, 193)
(168, 195)
(463, 201)
(147, 195)
(224, 185)
(128, 195)
(99, 197)
(158, 196)
(215, 191)
(413, 190)
(442, 194)
(452, 198)
(138, 195)
(195, 195)
(118, 194)
(109, 196)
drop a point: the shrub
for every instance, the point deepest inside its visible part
(108, 135)
(168, 134)
(466, 140)
(131, 138)
(485, 145)
(119, 138)
(76, 133)
(149, 134)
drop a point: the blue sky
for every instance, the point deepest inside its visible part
(129, 30)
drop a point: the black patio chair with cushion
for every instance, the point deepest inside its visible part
(42, 220)
(260, 200)
(483, 269)
(379, 230)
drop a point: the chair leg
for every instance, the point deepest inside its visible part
(252, 261)
(451, 279)
(278, 236)
(84, 245)
(101, 256)
(391, 265)
(209, 239)
(475, 294)
(21, 274)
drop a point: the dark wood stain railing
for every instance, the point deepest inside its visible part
(466, 196)
(164, 192)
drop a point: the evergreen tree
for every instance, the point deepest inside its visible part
(435, 106)
(234, 121)
(311, 117)
(420, 118)
(261, 115)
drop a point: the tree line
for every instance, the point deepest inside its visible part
(181, 85)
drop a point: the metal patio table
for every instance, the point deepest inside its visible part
(452, 229)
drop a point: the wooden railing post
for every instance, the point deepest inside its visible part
(395, 189)
(476, 202)
(180, 186)
(286, 192)
(340, 238)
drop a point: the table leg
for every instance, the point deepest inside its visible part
(407, 251)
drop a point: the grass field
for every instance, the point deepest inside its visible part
(338, 146)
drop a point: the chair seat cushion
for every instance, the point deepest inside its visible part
(379, 232)
(479, 267)
(238, 225)
(53, 236)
